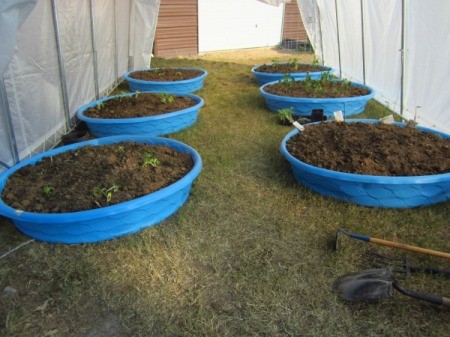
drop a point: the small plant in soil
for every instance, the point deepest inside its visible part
(149, 159)
(99, 192)
(166, 98)
(166, 74)
(140, 104)
(288, 82)
(121, 149)
(47, 190)
(326, 86)
(285, 116)
(100, 105)
(294, 64)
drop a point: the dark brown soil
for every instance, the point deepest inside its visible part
(73, 181)
(140, 105)
(331, 89)
(372, 149)
(284, 68)
(166, 74)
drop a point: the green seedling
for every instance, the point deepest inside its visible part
(100, 105)
(288, 82)
(178, 73)
(318, 90)
(47, 190)
(285, 115)
(150, 160)
(159, 71)
(122, 96)
(121, 149)
(335, 91)
(316, 61)
(326, 77)
(294, 64)
(108, 193)
(136, 94)
(346, 84)
(166, 98)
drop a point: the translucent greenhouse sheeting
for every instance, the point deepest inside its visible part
(32, 79)
(12, 14)
(427, 50)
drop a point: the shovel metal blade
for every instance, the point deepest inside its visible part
(365, 285)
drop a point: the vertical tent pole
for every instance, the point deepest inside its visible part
(403, 58)
(94, 51)
(8, 122)
(282, 24)
(131, 37)
(116, 36)
(62, 72)
(338, 40)
(321, 36)
(362, 43)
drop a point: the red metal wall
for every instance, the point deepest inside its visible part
(293, 28)
(177, 28)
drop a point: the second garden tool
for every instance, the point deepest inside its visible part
(389, 244)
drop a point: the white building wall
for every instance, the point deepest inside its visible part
(237, 24)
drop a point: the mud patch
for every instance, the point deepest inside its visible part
(166, 74)
(139, 105)
(315, 89)
(372, 149)
(94, 176)
(284, 68)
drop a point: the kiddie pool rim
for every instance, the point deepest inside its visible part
(361, 178)
(93, 214)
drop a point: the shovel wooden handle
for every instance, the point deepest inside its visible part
(394, 244)
(410, 248)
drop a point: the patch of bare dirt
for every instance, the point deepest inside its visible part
(166, 74)
(309, 89)
(139, 105)
(372, 149)
(283, 68)
(94, 176)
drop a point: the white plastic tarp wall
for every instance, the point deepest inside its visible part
(32, 79)
(427, 50)
(236, 24)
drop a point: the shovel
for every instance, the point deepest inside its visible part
(389, 244)
(375, 284)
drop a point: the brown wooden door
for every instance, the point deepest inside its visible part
(177, 28)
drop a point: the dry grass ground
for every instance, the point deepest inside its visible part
(249, 254)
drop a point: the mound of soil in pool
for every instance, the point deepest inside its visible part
(166, 74)
(284, 68)
(372, 149)
(94, 176)
(139, 105)
(312, 89)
